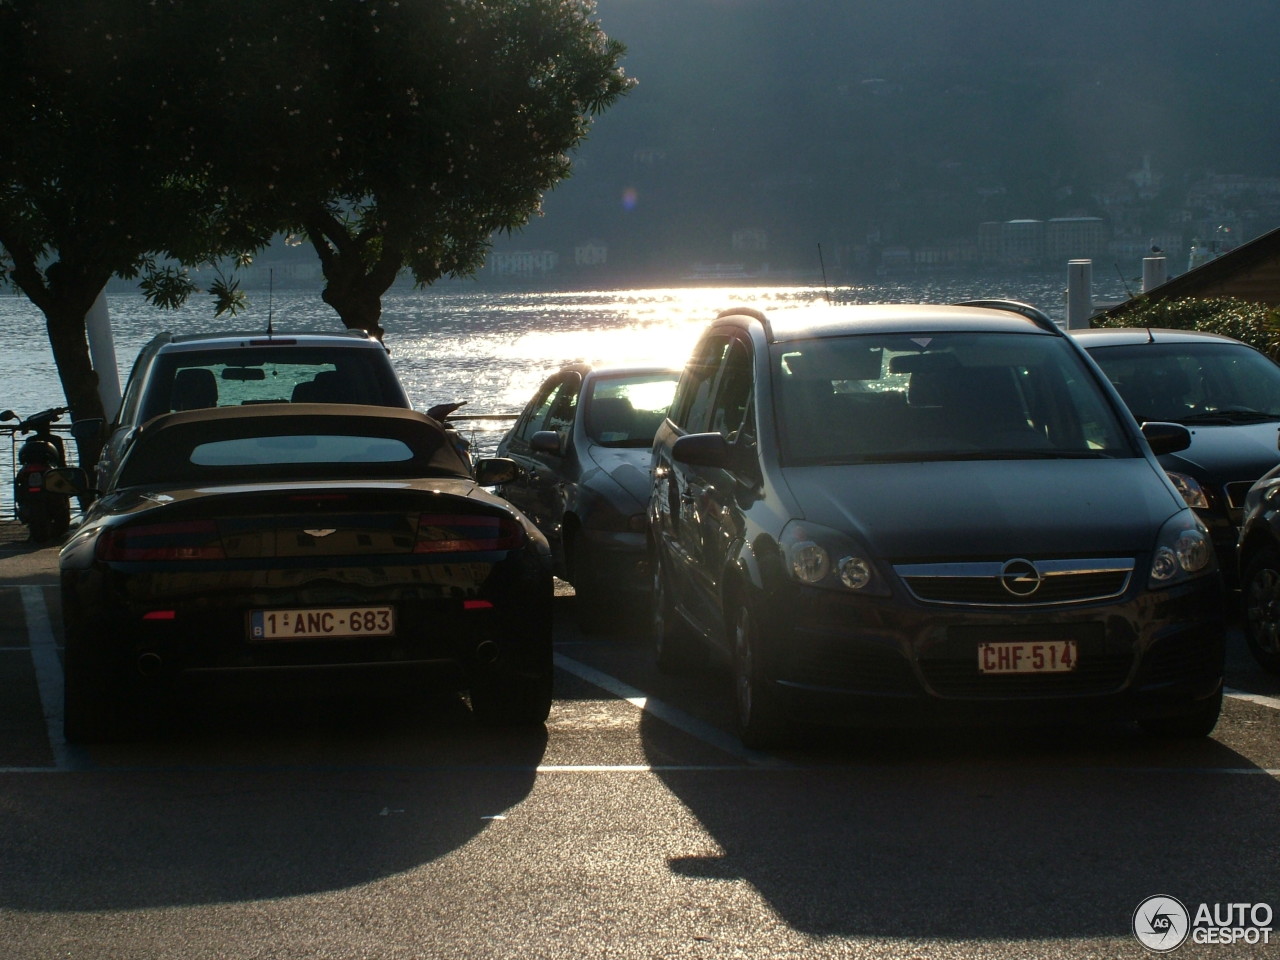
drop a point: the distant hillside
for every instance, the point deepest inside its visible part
(831, 121)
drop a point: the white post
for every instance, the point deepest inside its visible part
(1154, 272)
(102, 354)
(1079, 294)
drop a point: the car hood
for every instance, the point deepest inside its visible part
(1226, 454)
(627, 467)
(990, 508)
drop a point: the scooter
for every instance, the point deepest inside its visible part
(47, 515)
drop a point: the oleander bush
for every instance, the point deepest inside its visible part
(1253, 323)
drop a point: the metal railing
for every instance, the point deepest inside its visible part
(10, 441)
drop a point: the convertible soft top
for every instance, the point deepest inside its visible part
(288, 441)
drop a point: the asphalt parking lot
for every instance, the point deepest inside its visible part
(634, 826)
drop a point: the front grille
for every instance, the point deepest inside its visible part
(950, 666)
(1012, 584)
(849, 664)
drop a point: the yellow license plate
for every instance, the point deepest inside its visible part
(1053, 656)
(322, 623)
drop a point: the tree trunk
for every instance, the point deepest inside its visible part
(64, 294)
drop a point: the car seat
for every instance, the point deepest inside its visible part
(194, 388)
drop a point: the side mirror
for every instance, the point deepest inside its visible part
(546, 441)
(69, 482)
(1166, 437)
(88, 431)
(702, 450)
(8, 415)
(492, 471)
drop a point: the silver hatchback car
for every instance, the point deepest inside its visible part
(194, 371)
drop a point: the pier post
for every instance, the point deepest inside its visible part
(102, 354)
(1154, 272)
(1079, 294)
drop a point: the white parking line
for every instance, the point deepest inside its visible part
(712, 736)
(1258, 698)
(44, 656)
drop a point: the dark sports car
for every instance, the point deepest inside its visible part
(302, 537)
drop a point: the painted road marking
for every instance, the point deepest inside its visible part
(700, 730)
(1258, 698)
(44, 656)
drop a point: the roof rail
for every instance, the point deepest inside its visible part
(1034, 314)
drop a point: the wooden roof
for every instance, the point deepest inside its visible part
(1249, 272)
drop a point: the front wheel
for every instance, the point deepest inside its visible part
(762, 722)
(1197, 722)
(1260, 587)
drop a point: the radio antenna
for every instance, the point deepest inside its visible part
(826, 291)
(271, 289)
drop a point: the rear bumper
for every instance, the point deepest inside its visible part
(157, 626)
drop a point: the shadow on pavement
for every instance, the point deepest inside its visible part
(993, 834)
(247, 804)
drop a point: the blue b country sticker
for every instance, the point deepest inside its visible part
(1161, 923)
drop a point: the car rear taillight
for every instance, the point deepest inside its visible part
(466, 532)
(189, 540)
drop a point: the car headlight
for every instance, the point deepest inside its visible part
(818, 556)
(1183, 550)
(1190, 489)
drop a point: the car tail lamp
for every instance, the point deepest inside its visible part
(190, 540)
(466, 533)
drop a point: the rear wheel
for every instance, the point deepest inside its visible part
(762, 722)
(519, 692)
(1197, 722)
(94, 710)
(1260, 587)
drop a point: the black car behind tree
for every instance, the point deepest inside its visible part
(584, 443)
(910, 511)
(302, 537)
(1224, 391)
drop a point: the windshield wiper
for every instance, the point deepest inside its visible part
(1229, 415)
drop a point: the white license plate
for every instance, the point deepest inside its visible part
(321, 623)
(1054, 656)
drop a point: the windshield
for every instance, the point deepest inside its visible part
(940, 396)
(627, 411)
(1193, 382)
(191, 380)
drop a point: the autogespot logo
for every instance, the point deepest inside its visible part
(1161, 923)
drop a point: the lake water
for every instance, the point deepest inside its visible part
(489, 347)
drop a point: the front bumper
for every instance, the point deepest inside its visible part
(865, 660)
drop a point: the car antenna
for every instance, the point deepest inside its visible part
(826, 291)
(271, 289)
(1123, 280)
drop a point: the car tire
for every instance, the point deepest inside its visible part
(674, 648)
(762, 722)
(93, 710)
(1260, 589)
(594, 608)
(516, 694)
(1195, 723)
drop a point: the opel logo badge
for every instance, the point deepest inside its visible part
(1020, 577)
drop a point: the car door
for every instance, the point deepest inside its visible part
(716, 490)
(680, 488)
(539, 492)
